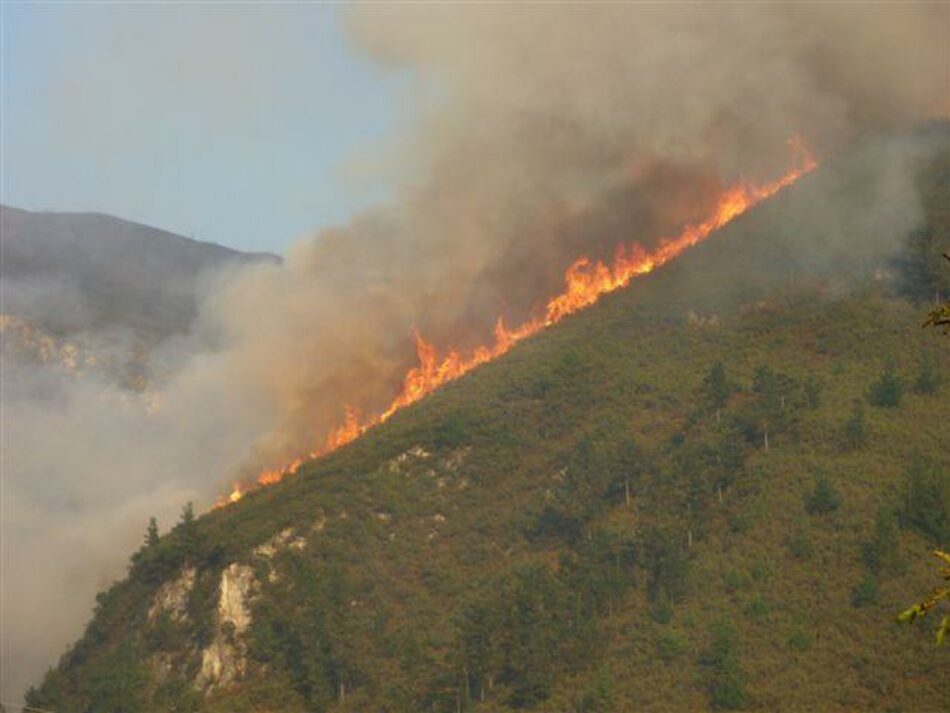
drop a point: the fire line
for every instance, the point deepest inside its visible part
(585, 281)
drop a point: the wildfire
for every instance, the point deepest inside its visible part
(586, 282)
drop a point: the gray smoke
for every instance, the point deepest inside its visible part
(540, 133)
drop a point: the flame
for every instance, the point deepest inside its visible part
(585, 283)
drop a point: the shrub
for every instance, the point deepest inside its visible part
(670, 645)
(668, 567)
(823, 499)
(453, 432)
(813, 390)
(866, 592)
(888, 390)
(757, 608)
(725, 682)
(927, 501)
(928, 381)
(800, 546)
(740, 523)
(799, 640)
(727, 689)
(880, 552)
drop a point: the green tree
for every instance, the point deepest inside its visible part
(151, 533)
(725, 680)
(187, 514)
(667, 566)
(823, 499)
(187, 529)
(717, 388)
(888, 390)
(773, 408)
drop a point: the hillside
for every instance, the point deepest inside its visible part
(73, 272)
(601, 520)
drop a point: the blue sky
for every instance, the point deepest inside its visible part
(239, 124)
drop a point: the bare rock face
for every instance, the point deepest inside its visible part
(224, 661)
(172, 597)
(284, 538)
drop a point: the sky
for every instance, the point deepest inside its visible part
(240, 124)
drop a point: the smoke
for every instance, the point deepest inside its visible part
(540, 133)
(546, 132)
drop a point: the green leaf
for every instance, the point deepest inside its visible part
(908, 615)
(943, 629)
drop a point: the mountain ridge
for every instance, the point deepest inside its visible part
(73, 271)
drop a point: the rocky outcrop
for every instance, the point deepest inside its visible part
(224, 661)
(284, 538)
(172, 597)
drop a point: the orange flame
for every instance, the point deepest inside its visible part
(585, 283)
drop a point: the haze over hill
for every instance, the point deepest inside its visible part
(540, 135)
(96, 313)
(76, 272)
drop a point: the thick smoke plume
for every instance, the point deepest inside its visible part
(540, 133)
(545, 133)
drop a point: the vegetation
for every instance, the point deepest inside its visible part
(938, 595)
(628, 512)
(823, 499)
(940, 315)
(888, 390)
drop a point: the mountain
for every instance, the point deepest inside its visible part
(713, 489)
(90, 292)
(72, 272)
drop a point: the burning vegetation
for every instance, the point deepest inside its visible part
(585, 282)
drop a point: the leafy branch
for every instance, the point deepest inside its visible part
(940, 317)
(941, 593)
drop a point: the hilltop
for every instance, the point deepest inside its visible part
(712, 489)
(72, 272)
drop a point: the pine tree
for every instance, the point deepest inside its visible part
(187, 514)
(151, 534)
(717, 388)
(188, 528)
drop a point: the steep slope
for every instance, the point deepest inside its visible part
(602, 519)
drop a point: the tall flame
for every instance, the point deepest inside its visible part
(585, 281)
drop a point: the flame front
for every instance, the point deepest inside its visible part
(585, 283)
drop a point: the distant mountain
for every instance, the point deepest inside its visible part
(74, 272)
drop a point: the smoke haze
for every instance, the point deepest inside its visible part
(540, 133)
